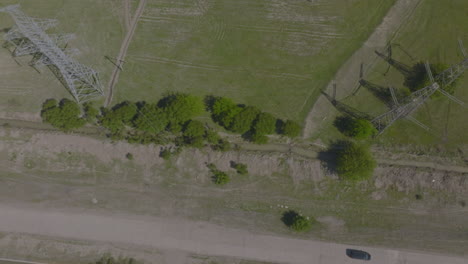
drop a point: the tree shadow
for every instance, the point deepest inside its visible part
(288, 217)
(342, 123)
(346, 109)
(328, 156)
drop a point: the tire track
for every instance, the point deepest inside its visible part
(187, 64)
(123, 51)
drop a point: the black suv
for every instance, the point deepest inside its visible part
(358, 254)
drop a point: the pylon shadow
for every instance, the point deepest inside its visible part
(346, 109)
(399, 66)
(382, 93)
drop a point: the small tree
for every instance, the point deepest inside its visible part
(243, 121)
(354, 162)
(65, 116)
(194, 132)
(180, 108)
(355, 128)
(224, 110)
(151, 119)
(91, 112)
(119, 116)
(290, 129)
(296, 222)
(265, 124)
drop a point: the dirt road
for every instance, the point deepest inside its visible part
(195, 237)
(347, 76)
(123, 51)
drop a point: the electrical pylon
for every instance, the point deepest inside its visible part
(417, 98)
(28, 36)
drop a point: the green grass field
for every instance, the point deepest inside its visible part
(276, 55)
(98, 31)
(431, 34)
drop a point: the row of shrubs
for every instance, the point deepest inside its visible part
(249, 121)
(170, 120)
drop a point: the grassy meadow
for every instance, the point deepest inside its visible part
(276, 55)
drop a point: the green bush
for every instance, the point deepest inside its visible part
(91, 112)
(355, 128)
(65, 116)
(354, 162)
(180, 108)
(212, 136)
(220, 178)
(194, 128)
(119, 116)
(296, 221)
(223, 145)
(224, 110)
(151, 119)
(194, 132)
(243, 121)
(290, 129)
(265, 124)
(240, 168)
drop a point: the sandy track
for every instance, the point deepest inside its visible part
(195, 237)
(123, 51)
(347, 76)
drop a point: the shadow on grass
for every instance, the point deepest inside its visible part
(328, 157)
(346, 109)
(399, 66)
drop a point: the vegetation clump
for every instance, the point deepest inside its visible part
(354, 162)
(219, 177)
(65, 115)
(129, 156)
(249, 121)
(290, 129)
(107, 259)
(418, 78)
(355, 128)
(296, 221)
(194, 134)
(118, 117)
(240, 168)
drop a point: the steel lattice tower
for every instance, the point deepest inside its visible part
(417, 98)
(28, 36)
